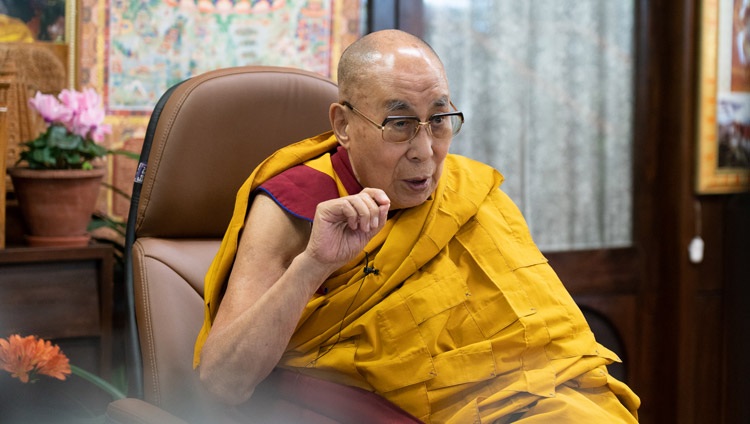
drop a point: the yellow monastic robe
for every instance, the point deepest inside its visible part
(460, 318)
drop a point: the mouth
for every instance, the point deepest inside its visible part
(418, 184)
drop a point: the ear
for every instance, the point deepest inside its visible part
(339, 123)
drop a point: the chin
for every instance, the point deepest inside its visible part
(411, 203)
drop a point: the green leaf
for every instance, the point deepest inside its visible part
(103, 221)
(43, 157)
(92, 149)
(75, 157)
(126, 153)
(60, 137)
(117, 191)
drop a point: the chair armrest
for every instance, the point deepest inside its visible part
(136, 411)
(337, 402)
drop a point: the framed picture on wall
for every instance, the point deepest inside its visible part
(723, 162)
(50, 23)
(44, 20)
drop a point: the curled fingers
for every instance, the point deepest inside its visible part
(362, 212)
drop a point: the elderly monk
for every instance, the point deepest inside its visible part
(370, 256)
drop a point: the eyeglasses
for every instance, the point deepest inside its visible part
(402, 129)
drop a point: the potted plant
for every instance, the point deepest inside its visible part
(60, 172)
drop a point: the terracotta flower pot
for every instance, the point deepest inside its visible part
(56, 205)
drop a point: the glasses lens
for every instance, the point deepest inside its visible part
(403, 129)
(400, 130)
(444, 126)
(456, 123)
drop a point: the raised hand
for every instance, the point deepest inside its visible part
(342, 227)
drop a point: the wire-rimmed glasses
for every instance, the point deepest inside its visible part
(402, 129)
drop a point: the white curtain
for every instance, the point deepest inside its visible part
(546, 87)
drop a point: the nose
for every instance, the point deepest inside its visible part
(420, 147)
(427, 127)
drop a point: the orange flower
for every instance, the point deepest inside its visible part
(26, 357)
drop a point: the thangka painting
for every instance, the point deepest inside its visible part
(132, 51)
(156, 44)
(723, 164)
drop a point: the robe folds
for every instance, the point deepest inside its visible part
(451, 311)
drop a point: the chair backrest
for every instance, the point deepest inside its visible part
(205, 137)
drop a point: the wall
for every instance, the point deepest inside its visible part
(691, 311)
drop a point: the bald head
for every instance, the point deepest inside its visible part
(376, 53)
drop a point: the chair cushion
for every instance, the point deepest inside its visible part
(168, 276)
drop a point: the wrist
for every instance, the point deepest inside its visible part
(312, 269)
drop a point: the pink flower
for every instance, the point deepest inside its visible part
(99, 131)
(87, 99)
(86, 120)
(81, 112)
(70, 99)
(50, 108)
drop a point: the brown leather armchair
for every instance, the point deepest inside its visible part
(204, 138)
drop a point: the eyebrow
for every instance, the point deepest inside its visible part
(396, 105)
